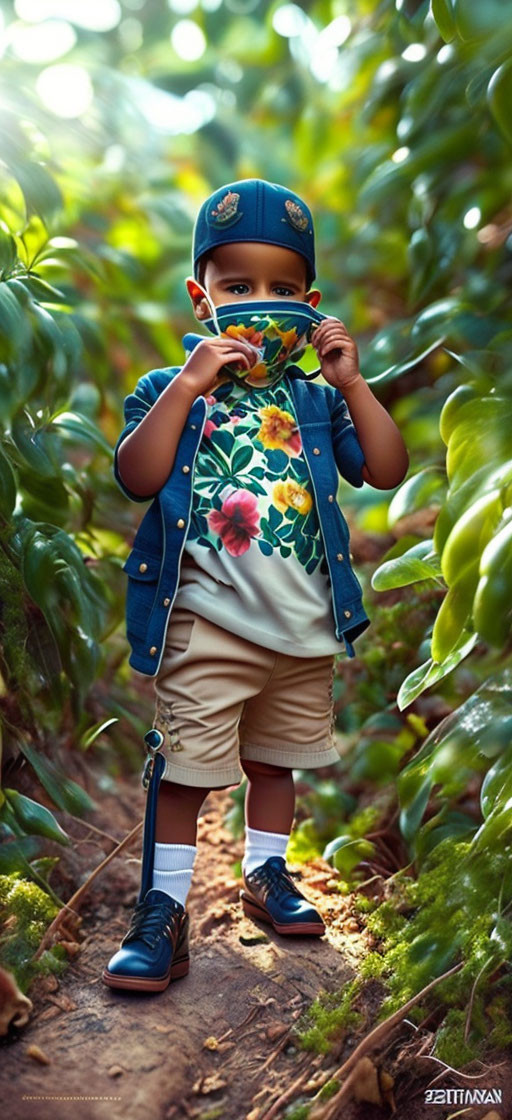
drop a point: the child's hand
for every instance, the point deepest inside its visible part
(337, 351)
(201, 370)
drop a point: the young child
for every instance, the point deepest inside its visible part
(240, 586)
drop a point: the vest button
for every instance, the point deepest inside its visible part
(185, 469)
(153, 650)
(316, 451)
(180, 523)
(194, 426)
(339, 556)
(347, 614)
(143, 567)
(330, 498)
(166, 602)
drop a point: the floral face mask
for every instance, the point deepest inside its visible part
(279, 329)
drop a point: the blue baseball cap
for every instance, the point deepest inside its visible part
(255, 210)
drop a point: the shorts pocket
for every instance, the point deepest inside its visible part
(179, 630)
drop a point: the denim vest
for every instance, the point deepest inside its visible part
(330, 445)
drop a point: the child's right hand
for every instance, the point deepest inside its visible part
(200, 374)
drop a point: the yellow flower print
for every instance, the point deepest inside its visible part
(258, 371)
(279, 430)
(290, 493)
(247, 333)
(288, 338)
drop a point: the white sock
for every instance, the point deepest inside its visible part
(259, 846)
(173, 865)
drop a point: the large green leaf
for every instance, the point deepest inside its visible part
(7, 487)
(430, 672)
(500, 96)
(442, 11)
(64, 792)
(419, 562)
(35, 818)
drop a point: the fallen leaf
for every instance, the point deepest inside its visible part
(209, 1084)
(48, 1013)
(35, 1052)
(364, 1082)
(62, 1001)
(252, 938)
(276, 1030)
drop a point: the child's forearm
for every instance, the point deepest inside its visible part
(385, 453)
(146, 457)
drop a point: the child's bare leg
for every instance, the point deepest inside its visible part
(177, 812)
(270, 797)
(269, 809)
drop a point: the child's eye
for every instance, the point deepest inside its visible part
(287, 291)
(233, 287)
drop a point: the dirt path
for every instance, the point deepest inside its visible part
(217, 1044)
(209, 1044)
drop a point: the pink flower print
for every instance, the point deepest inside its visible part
(236, 522)
(209, 428)
(211, 399)
(236, 419)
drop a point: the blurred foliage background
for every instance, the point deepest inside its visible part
(117, 118)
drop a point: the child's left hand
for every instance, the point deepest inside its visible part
(337, 351)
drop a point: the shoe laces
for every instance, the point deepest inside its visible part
(276, 878)
(150, 921)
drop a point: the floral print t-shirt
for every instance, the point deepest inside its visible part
(254, 560)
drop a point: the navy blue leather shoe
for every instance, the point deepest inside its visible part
(271, 896)
(154, 951)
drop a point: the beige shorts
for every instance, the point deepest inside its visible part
(221, 698)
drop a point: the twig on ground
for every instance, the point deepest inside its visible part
(371, 1040)
(79, 894)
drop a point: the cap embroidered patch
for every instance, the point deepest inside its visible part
(226, 211)
(295, 215)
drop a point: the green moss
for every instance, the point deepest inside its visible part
(372, 966)
(329, 1089)
(298, 1112)
(27, 912)
(450, 1046)
(304, 843)
(26, 900)
(498, 1011)
(328, 1015)
(449, 915)
(386, 922)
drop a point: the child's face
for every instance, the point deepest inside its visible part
(247, 270)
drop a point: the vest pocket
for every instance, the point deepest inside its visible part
(143, 570)
(141, 565)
